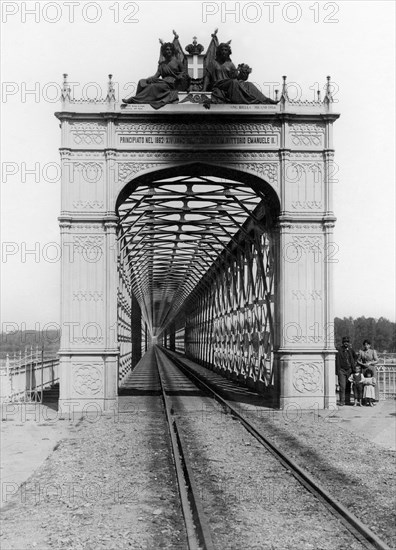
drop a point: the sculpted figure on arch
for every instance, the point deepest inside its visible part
(227, 83)
(171, 77)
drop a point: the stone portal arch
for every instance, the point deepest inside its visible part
(233, 216)
(242, 172)
(284, 151)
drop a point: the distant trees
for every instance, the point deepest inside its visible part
(15, 342)
(381, 332)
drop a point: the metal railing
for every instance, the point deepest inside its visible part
(24, 376)
(386, 380)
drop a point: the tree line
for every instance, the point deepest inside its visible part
(47, 342)
(381, 332)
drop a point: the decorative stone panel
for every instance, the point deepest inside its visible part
(88, 135)
(307, 377)
(88, 379)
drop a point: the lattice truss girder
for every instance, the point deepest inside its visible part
(231, 324)
(172, 231)
(124, 302)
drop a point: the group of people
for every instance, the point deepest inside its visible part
(357, 370)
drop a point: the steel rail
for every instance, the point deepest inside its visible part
(354, 525)
(198, 534)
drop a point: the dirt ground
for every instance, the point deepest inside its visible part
(108, 482)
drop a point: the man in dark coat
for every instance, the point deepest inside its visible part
(345, 361)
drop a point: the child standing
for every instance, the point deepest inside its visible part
(357, 379)
(369, 388)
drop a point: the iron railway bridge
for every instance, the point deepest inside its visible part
(208, 232)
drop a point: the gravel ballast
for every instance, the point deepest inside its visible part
(111, 483)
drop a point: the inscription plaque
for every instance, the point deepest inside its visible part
(270, 141)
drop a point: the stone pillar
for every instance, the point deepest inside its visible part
(304, 350)
(305, 358)
(89, 351)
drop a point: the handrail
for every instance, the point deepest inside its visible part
(25, 380)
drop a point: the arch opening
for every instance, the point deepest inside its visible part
(197, 260)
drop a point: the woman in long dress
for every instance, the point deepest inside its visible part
(161, 88)
(229, 84)
(367, 358)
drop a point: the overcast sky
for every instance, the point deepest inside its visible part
(351, 41)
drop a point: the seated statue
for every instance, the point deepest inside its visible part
(161, 88)
(229, 84)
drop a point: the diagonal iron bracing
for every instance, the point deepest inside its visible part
(230, 326)
(172, 231)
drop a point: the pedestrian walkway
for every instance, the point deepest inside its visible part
(29, 433)
(143, 380)
(378, 424)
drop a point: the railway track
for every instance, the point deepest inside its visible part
(197, 530)
(197, 524)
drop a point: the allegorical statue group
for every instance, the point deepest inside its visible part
(226, 82)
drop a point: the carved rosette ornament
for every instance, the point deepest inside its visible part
(307, 377)
(87, 379)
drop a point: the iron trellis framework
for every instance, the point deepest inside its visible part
(201, 260)
(124, 316)
(231, 324)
